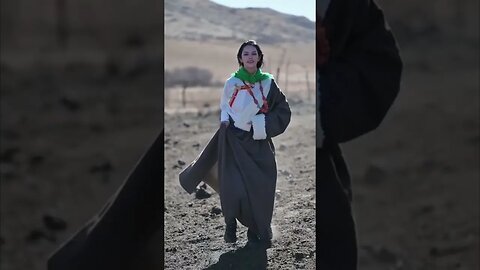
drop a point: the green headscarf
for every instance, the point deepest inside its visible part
(244, 75)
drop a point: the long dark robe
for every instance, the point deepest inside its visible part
(120, 235)
(357, 86)
(243, 170)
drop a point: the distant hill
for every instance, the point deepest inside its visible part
(206, 20)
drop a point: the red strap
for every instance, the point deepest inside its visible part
(233, 97)
(263, 109)
(236, 92)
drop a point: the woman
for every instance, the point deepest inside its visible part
(241, 153)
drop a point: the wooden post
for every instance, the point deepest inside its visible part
(184, 97)
(286, 76)
(280, 63)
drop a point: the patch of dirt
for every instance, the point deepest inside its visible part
(194, 230)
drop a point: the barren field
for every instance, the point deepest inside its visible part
(194, 227)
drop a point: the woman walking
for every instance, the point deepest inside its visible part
(239, 161)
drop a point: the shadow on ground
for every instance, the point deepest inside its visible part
(247, 257)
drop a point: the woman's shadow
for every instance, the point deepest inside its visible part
(250, 256)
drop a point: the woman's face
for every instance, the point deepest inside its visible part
(249, 57)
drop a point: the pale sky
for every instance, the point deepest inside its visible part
(298, 7)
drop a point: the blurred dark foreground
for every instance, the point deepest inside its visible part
(81, 100)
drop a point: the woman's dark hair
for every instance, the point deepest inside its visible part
(254, 44)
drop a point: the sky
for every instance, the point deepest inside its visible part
(299, 7)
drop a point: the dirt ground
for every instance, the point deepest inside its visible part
(194, 230)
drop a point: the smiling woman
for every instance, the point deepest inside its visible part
(248, 57)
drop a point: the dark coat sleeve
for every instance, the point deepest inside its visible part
(278, 116)
(117, 236)
(362, 77)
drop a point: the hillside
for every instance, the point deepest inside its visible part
(205, 20)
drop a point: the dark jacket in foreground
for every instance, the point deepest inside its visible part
(119, 236)
(357, 86)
